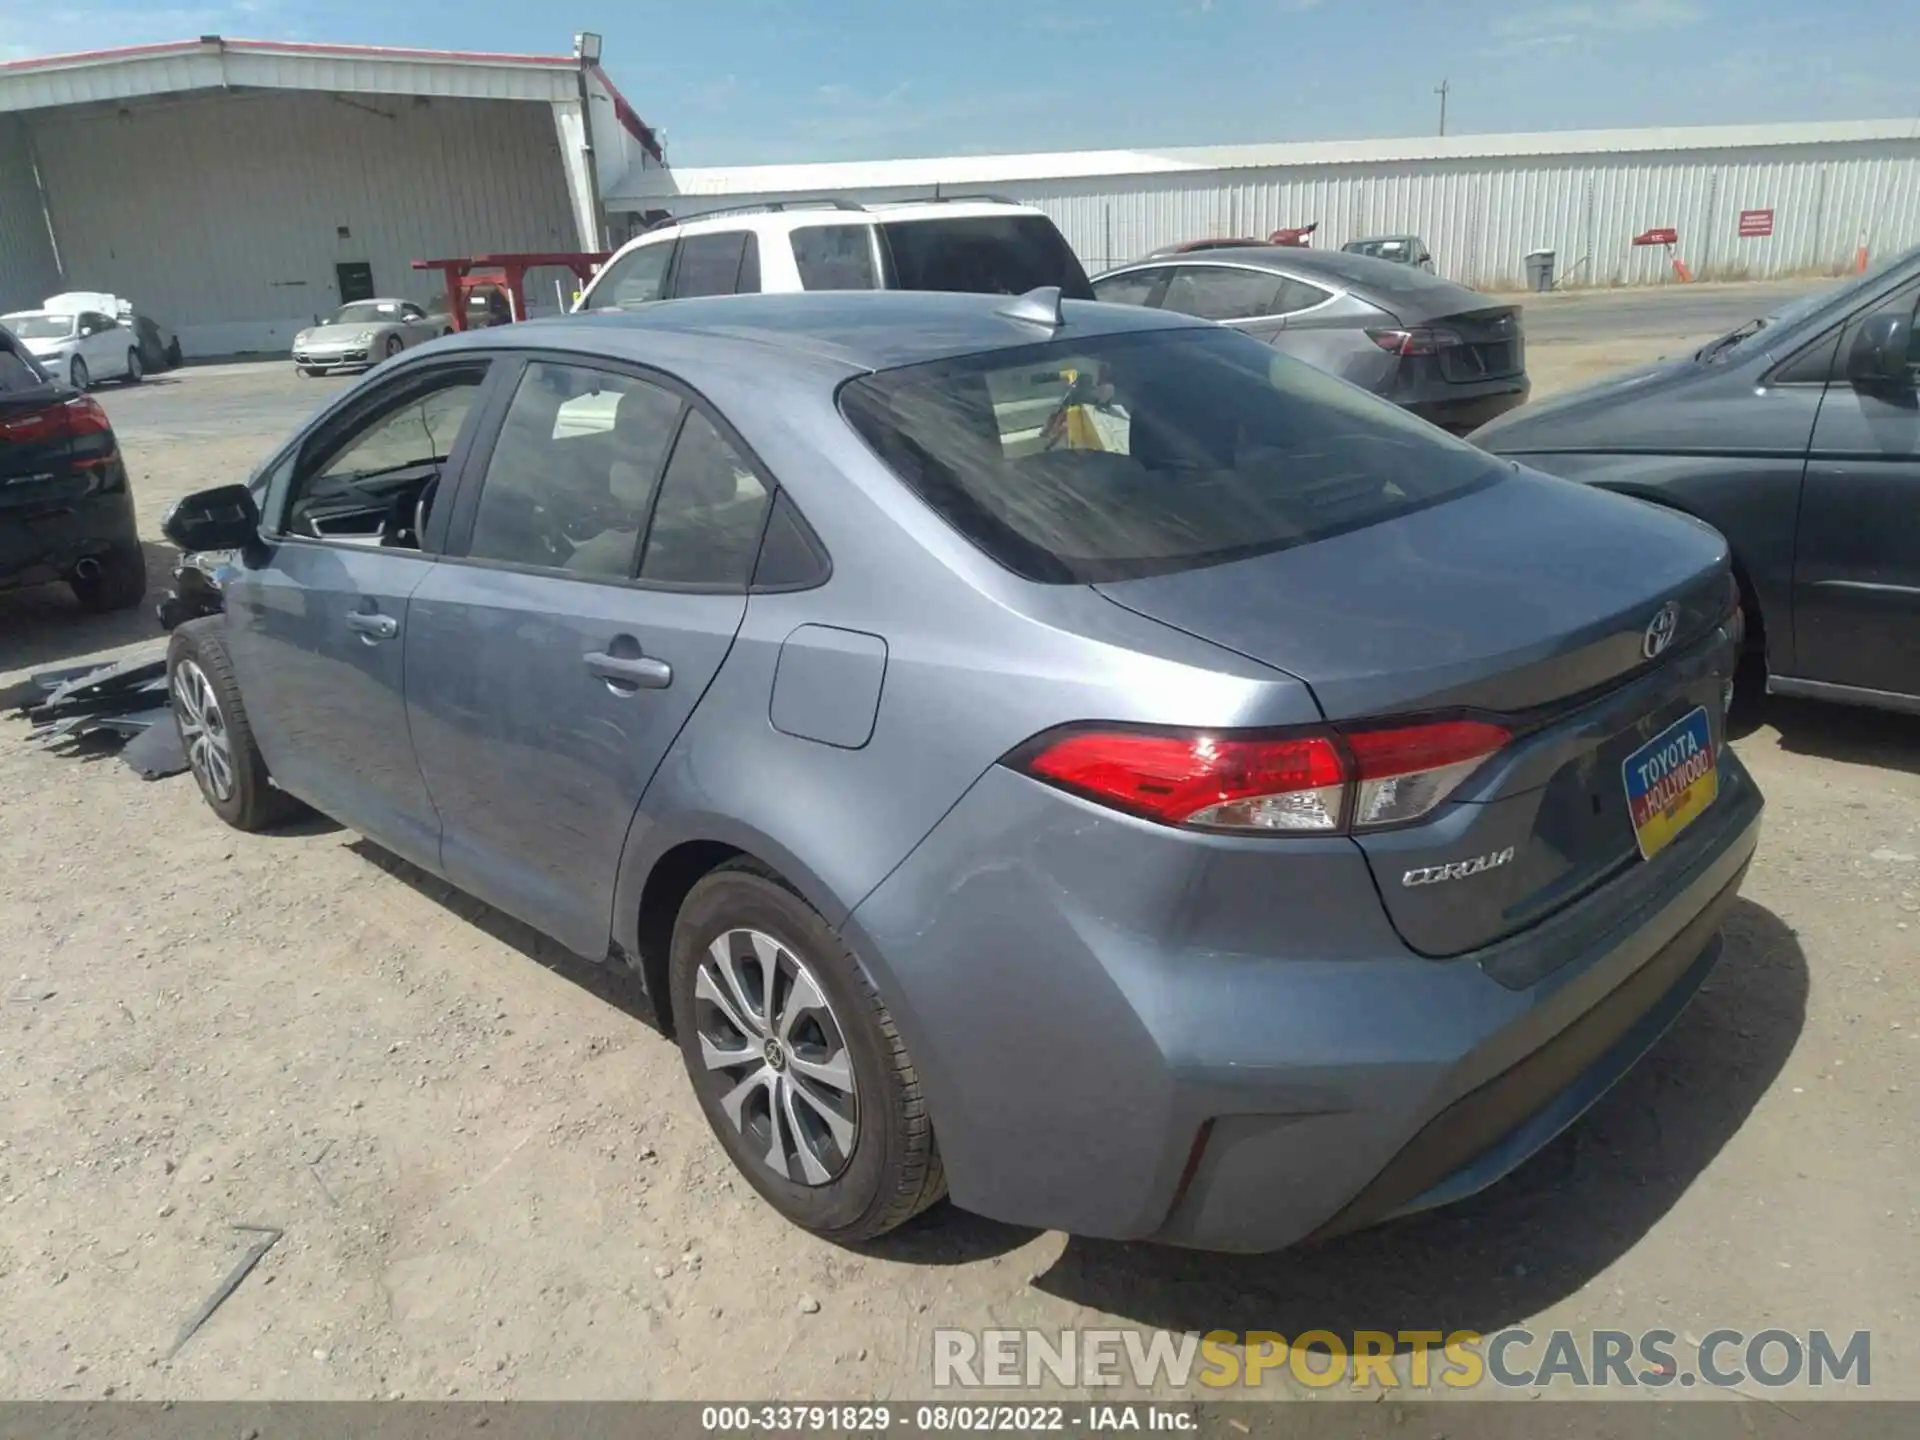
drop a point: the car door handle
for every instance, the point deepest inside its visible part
(374, 627)
(643, 672)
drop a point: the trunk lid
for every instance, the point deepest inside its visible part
(1530, 602)
(1490, 345)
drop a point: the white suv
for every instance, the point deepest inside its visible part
(985, 246)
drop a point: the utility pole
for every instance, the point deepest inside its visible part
(1441, 90)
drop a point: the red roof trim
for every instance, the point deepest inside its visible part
(292, 47)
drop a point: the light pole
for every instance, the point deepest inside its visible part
(1441, 90)
(586, 54)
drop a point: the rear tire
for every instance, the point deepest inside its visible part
(136, 368)
(214, 733)
(822, 1079)
(118, 583)
(174, 357)
(78, 375)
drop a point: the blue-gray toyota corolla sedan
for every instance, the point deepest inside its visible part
(1070, 757)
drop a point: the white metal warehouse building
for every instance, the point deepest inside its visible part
(231, 188)
(1482, 202)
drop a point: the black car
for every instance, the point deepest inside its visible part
(66, 510)
(1797, 435)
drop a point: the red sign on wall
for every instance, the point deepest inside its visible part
(1756, 224)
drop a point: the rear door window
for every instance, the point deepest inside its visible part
(1136, 287)
(713, 507)
(710, 264)
(834, 257)
(571, 477)
(983, 254)
(1148, 452)
(1223, 292)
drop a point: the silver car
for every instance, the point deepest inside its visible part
(1063, 755)
(362, 333)
(1447, 353)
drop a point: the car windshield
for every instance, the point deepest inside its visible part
(39, 327)
(1839, 298)
(366, 312)
(984, 254)
(1147, 452)
(1379, 249)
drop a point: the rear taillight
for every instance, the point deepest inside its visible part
(85, 417)
(1317, 783)
(1404, 772)
(1733, 612)
(62, 420)
(1414, 342)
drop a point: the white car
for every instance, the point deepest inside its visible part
(79, 346)
(991, 247)
(362, 333)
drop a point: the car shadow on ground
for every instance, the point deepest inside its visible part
(613, 984)
(1533, 1239)
(43, 627)
(1846, 733)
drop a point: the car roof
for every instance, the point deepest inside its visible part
(854, 330)
(783, 221)
(1363, 274)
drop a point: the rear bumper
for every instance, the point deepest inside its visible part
(1465, 412)
(39, 545)
(1131, 1032)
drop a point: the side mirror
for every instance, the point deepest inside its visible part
(1881, 356)
(223, 518)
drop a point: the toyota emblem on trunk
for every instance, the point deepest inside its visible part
(1660, 630)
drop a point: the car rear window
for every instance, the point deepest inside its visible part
(18, 369)
(1138, 454)
(983, 254)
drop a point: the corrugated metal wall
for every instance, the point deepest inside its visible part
(224, 216)
(28, 271)
(1482, 216)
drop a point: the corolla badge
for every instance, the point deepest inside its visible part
(1457, 870)
(1660, 630)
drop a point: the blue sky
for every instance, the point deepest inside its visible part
(739, 81)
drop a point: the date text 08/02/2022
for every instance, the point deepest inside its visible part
(943, 1418)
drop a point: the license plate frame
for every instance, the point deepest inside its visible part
(1671, 781)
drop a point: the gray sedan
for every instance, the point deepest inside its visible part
(1445, 352)
(1065, 756)
(363, 333)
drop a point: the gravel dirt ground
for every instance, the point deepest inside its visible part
(491, 1179)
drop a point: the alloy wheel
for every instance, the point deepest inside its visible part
(203, 730)
(776, 1057)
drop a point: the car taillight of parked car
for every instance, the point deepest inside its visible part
(1422, 341)
(1315, 783)
(62, 420)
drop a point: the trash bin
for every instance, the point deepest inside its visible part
(1540, 270)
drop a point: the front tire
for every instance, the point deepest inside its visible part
(136, 368)
(78, 375)
(394, 346)
(116, 580)
(796, 1062)
(214, 734)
